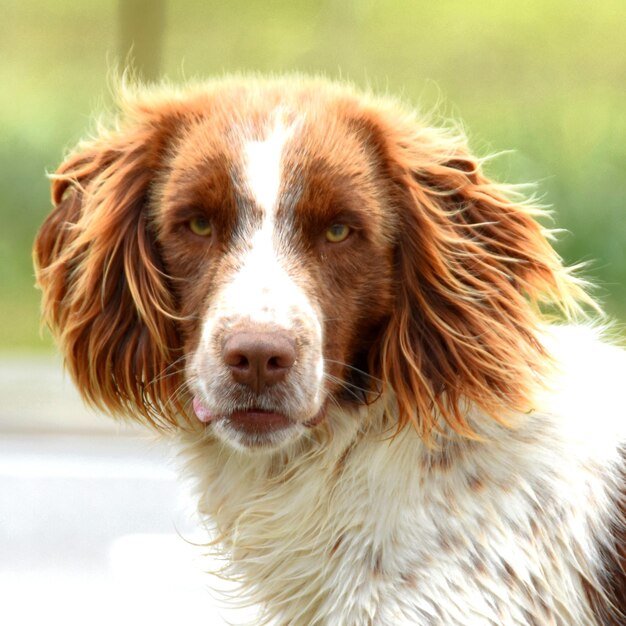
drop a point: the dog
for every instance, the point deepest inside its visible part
(343, 324)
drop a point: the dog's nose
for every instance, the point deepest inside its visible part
(259, 359)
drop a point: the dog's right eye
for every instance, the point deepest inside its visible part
(200, 226)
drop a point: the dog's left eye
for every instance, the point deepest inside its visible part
(337, 233)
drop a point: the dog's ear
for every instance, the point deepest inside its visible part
(105, 295)
(473, 268)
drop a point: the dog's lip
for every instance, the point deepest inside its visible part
(258, 421)
(254, 420)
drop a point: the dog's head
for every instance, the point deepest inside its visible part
(254, 252)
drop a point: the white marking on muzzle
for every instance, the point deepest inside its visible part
(265, 289)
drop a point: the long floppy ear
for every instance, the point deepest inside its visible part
(473, 267)
(105, 296)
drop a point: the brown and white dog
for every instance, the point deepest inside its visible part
(338, 317)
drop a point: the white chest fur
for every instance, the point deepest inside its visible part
(366, 530)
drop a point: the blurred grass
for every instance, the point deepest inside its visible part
(544, 78)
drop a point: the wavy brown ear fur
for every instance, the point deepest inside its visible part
(105, 296)
(473, 267)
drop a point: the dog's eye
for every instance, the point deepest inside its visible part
(200, 226)
(337, 233)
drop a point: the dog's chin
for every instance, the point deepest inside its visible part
(245, 439)
(255, 429)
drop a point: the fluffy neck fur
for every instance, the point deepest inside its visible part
(361, 528)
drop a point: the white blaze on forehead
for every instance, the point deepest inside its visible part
(264, 288)
(263, 165)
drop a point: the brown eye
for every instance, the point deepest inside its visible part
(337, 233)
(200, 226)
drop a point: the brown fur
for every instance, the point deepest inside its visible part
(105, 296)
(609, 601)
(471, 263)
(439, 303)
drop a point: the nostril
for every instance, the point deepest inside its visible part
(273, 364)
(236, 360)
(282, 361)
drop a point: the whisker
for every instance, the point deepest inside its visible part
(177, 393)
(162, 375)
(350, 389)
(355, 369)
(346, 384)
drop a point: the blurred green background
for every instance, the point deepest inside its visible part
(546, 78)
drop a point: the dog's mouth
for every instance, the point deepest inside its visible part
(252, 422)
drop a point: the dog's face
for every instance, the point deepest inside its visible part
(252, 253)
(277, 241)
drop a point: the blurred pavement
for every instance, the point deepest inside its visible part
(94, 528)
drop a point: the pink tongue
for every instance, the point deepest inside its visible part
(202, 413)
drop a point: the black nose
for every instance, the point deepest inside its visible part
(259, 359)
